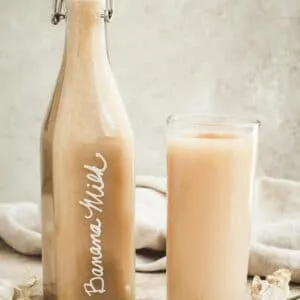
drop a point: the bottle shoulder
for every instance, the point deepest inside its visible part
(87, 107)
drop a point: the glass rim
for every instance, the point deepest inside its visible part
(211, 120)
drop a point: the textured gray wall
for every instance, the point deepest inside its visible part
(230, 56)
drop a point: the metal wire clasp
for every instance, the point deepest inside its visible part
(60, 12)
(109, 10)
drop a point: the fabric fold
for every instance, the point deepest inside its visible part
(275, 236)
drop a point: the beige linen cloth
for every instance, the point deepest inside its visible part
(276, 227)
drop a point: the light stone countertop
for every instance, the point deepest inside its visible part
(19, 268)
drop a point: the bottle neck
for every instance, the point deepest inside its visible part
(86, 33)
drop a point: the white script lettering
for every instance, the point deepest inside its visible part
(93, 203)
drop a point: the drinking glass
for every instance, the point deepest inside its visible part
(211, 164)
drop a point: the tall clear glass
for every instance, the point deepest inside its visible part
(211, 167)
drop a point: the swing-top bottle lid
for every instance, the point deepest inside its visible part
(60, 11)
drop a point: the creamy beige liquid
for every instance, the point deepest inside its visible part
(209, 186)
(47, 205)
(100, 256)
(88, 209)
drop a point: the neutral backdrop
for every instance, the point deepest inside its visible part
(240, 57)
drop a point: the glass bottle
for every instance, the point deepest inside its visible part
(88, 176)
